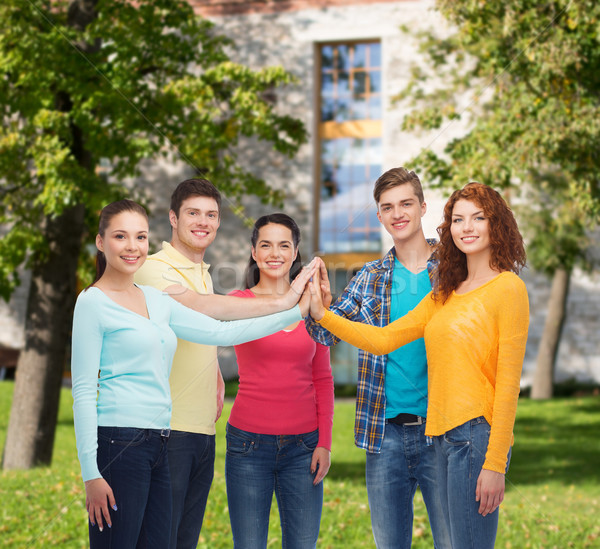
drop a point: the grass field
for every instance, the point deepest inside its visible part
(552, 499)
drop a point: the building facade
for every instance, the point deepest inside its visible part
(350, 59)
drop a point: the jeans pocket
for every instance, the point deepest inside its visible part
(179, 434)
(458, 436)
(238, 446)
(126, 437)
(309, 441)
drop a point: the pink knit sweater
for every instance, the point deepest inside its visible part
(286, 385)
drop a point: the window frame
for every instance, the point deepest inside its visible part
(365, 129)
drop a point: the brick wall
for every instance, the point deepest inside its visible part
(212, 8)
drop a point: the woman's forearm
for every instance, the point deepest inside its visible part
(373, 339)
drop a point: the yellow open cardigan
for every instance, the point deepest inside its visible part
(475, 346)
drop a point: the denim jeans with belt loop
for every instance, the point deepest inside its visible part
(134, 462)
(406, 460)
(257, 465)
(192, 466)
(460, 454)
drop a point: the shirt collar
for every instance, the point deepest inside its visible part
(181, 259)
(388, 259)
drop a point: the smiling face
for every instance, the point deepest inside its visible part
(274, 252)
(470, 228)
(195, 228)
(125, 242)
(400, 212)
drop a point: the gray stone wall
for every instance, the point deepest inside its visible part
(579, 351)
(289, 39)
(12, 316)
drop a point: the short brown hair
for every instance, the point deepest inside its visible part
(394, 178)
(194, 187)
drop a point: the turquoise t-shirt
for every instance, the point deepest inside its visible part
(406, 373)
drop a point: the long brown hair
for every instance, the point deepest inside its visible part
(506, 243)
(108, 212)
(252, 274)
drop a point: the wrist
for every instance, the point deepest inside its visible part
(318, 316)
(287, 300)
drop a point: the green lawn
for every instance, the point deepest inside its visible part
(552, 499)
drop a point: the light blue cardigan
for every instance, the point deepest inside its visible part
(121, 361)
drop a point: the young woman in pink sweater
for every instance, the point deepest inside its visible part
(279, 430)
(475, 325)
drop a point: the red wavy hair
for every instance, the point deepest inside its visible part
(506, 242)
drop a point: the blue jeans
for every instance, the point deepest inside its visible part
(134, 462)
(407, 459)
(192, 466)
(255, 466)
(460, 453)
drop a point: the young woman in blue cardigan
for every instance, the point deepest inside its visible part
(124, 337)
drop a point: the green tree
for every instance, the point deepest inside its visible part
(85, 81)
(523, 77)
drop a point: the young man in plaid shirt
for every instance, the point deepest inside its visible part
(391, 401)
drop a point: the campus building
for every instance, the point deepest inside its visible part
(350, 59)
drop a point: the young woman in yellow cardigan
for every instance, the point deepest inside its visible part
(475, 324)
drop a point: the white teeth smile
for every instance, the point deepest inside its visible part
(468, 239)
(126, 258)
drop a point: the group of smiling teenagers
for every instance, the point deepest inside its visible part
(441, 327)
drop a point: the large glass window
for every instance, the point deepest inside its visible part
(351, 82)
(350, 147)
(349, 156)
(348, 219)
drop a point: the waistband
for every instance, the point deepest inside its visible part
(133, 432)
(241, 433)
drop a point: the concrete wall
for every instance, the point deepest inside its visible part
(12, 316)
(288, 38)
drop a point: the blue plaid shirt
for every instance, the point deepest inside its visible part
(367, 299)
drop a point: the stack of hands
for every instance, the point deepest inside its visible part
(311, 289)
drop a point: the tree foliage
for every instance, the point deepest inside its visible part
(91, 83)
(524, 77)
(133, 81)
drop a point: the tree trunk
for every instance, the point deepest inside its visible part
(546, 359)
(30, 435)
